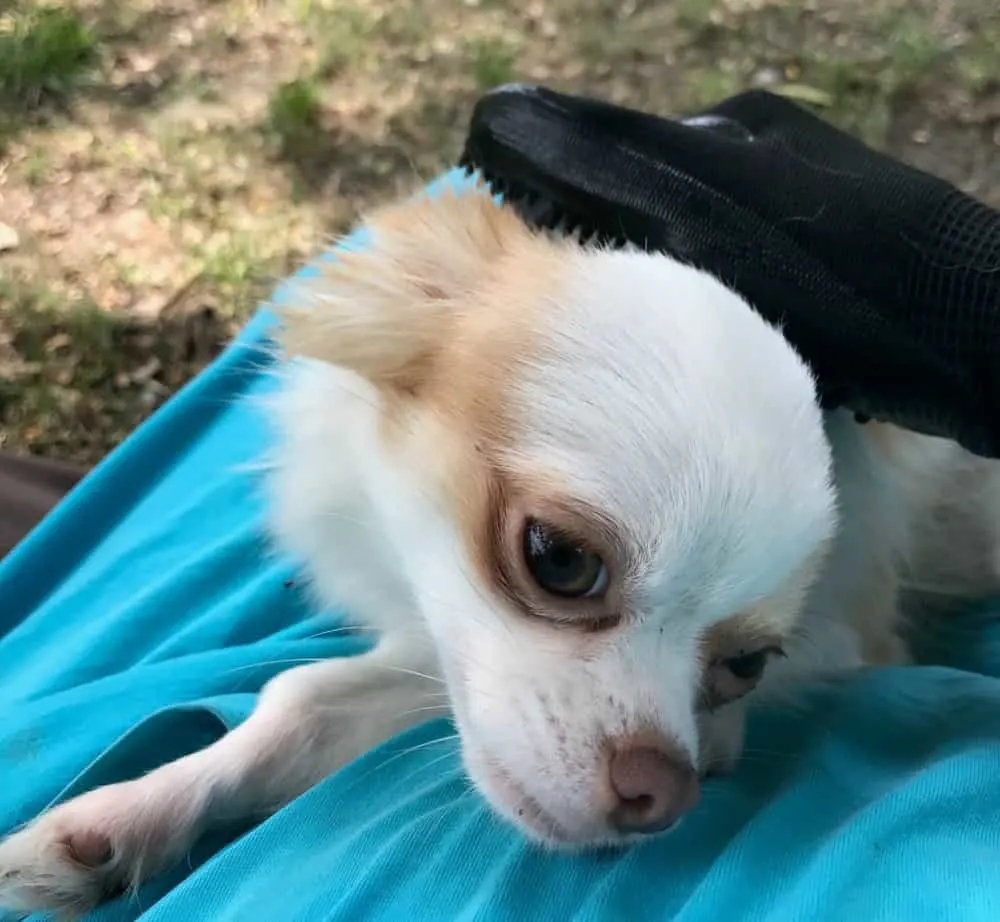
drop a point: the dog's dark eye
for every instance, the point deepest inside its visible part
(749, 667)
(561, 565)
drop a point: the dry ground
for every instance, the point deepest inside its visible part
(161, 163)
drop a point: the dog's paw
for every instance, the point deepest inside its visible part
(93, 848)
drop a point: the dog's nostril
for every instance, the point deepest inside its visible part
(653, 789)
(644, 803)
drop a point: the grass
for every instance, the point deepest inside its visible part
(148, 231)
(492, 62)
(237, 270)
(978, 64)
(64, 351)
(342, 35)
(49, 322)
(36, 167)
(293, 114)
(43, 51)
(704, 87)
(863, 93)
(913, 49)
(73, 376)
(699, 17)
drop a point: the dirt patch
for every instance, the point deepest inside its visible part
(164, 163)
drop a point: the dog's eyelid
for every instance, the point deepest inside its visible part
(740, 640)
(588, 624)
(602, 624)
(770, 649)
(583, 528)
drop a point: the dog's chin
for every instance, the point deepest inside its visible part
(540, 825)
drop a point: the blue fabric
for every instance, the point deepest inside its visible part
(143, 616)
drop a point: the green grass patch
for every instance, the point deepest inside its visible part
(859, 96)
(913, 47)
(342, 34)
(707, 86)
(977, 65)
(696, 16)
(44, 51)
(293, 113)
(37, 166)
(492, 61)
(863, 92)
(238, 272)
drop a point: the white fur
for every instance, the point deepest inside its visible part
(662, 399)
(694, 424)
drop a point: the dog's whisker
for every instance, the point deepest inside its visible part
(300, 661)
(426, 766)
(437, 708)
(437, 741)
(363, 524)
(487, 623)
(345, 629)
(413, 672)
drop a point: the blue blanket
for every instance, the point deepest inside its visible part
(142, 618)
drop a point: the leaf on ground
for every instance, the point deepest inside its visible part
(801, 92)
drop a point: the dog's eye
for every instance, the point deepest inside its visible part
(749, 667)
(729, 678)
(561, 565)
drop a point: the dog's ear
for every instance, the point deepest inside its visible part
(384, 309)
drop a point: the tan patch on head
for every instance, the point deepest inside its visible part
(440, 313)
(737, 636)
(764, 627)
(389, 309)
(771, 619)
(439, 305)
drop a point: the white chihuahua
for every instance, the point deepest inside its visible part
(591, 490)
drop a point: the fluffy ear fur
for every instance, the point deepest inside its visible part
(383, 310)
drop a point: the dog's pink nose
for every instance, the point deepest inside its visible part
(653, 788)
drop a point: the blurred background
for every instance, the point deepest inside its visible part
(162, 163)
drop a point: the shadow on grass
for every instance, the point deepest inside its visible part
(75, 380)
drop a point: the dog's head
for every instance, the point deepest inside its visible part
(610, 488)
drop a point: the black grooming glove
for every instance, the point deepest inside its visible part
(884, 278)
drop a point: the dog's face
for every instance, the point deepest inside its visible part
(610, 488)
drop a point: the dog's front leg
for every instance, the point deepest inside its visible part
(309, 722)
